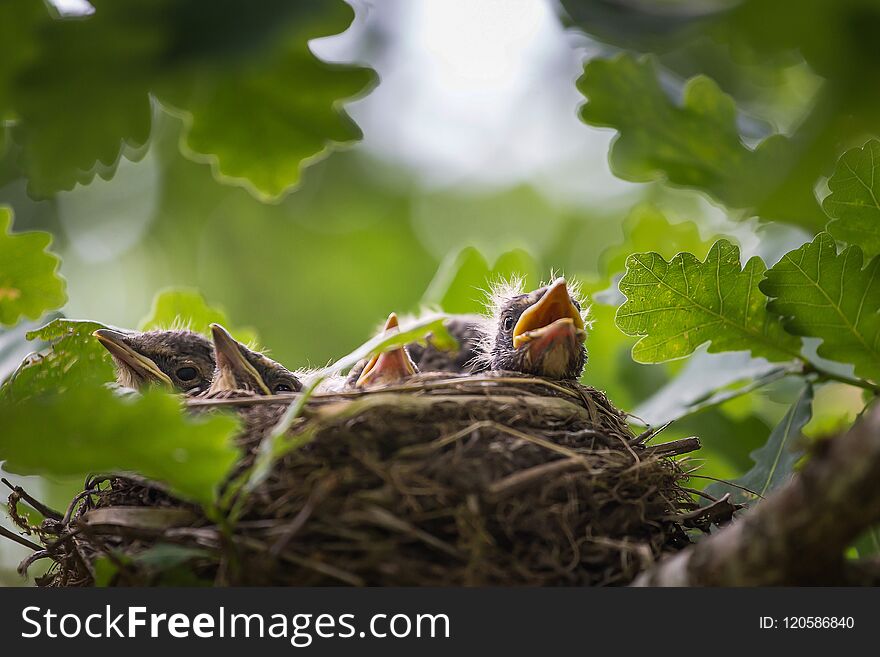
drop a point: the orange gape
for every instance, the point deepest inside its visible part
(553, 308)
(390, 366)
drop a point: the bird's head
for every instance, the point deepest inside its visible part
(541, 332)
(240, 368)
(181, 360)
(386, 368)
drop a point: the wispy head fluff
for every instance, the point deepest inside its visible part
(500, 292)
(179, 324)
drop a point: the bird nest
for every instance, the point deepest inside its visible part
(477, 480)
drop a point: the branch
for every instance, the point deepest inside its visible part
(827, 375)
(35, 503)
(797, 536)
(12, 536)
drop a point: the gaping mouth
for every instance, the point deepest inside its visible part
(234, 372)
(117, 344)
(554, 314)
(387, 367)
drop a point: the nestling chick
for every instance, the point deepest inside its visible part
(383, 369)
(181, 360)
(467, 330)
(540, 333)
(242, 369)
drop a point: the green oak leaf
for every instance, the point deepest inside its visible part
(678, 305)
(73, 359)
(98, 69)
(259, 124)
(90, 429)
(775, 461)
(18, 21)
(695, 144)
(29, 280)
(853, 203)
(824, 294)
(258, 103)
(187, 308)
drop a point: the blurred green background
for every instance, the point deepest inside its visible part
(473, 163)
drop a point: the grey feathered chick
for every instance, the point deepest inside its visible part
(181, 360)
(242, 369)
(540, 332)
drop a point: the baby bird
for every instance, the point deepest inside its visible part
(242, 369)
(383, 369)
(467, 330)
(181, 360)
(540, 333)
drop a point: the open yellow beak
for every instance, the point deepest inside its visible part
(116, 343)
(390, 366)
(555, 306)
(232, 367)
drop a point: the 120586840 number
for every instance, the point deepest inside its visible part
(818, 622)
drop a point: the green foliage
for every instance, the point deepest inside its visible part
(836, 407)
(165, 562)
(821, 293)
(98, 70)
(74, 359)
(705, 380)
(257, 102)
(29, 280)
(853, 203)
(647, 228)
(678, 305)
(260, 124)
(462, 281)
(695, 144)
(18, 20)
(186, 307)
(868, 545)
(755, 49)
(148, 434)
(824, 33)
(827, 34)
(775, 460)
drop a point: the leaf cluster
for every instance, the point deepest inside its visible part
(255, 101)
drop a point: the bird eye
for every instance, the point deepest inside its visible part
(187, 373)
(508, 323)
(282, 387)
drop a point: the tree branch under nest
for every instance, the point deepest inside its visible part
(797, 536)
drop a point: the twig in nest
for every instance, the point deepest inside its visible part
(71, 508)
(501, 428)
(21, 540)
(652, 432)
(320, 491)
(674, 447)
(524, 478)
(691, 475)
(39, 506)
(720, 512)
